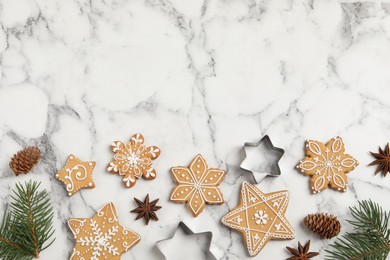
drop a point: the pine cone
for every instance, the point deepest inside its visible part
(24, 160)
(326, 226)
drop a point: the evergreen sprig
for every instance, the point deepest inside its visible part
(370, 237)
(27, 228)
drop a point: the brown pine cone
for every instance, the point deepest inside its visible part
(326, 226)
(24, 160)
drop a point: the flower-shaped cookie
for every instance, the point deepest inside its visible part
(133, 160)
(327, 165)
(197, 185)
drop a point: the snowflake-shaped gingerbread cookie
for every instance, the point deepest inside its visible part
(101, 237)
(197, 185)
(327, 165)
(133, 159)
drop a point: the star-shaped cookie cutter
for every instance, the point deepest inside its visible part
(251, 162)
(188, 232)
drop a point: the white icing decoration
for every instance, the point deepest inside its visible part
(133, 159)
(98, 241)
(337, 145)
(261, 217)
(278, 228)
(314, 147)
(348, 163)
(201, 191)
(328, 165)
(78, 175)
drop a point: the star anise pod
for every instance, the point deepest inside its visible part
(302, 253)
(382, 160)
(146, 209)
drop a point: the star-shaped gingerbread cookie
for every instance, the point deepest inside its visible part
(260, 217)
(101, 237)
(197, 185)
(76, 174)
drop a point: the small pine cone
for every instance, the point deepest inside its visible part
(24, 160)
(326, 226)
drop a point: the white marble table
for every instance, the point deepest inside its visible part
(193, 77)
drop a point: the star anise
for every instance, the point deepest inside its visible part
(302, 253)
(146, 209)
(382, 160)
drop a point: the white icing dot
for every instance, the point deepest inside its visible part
(90, 184)
(70, 194)
(209, 193)
(90, 164)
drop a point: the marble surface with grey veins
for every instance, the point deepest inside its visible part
(199, 76)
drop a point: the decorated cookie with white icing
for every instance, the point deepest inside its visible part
(76, 174)
(327, 165)
(197, 185)
(101, 237)
(133, 159)
(260, 217)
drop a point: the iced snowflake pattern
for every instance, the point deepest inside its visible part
(327, 165)
(133, 159)
(101, 237)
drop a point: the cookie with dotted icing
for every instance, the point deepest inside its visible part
(260, 217)
(101, 237)
(76, 174)
(197, 185)
(133, 159)
(327, 165)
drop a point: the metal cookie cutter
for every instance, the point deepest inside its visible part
(185, 249)
(262, 159)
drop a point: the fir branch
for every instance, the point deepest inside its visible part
(370, 238)
(27, 228)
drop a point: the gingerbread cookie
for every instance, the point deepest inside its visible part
(76, 174)
(197, 185)
(133, 159)
(101, 237)
(260, 217)
(327, 165)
